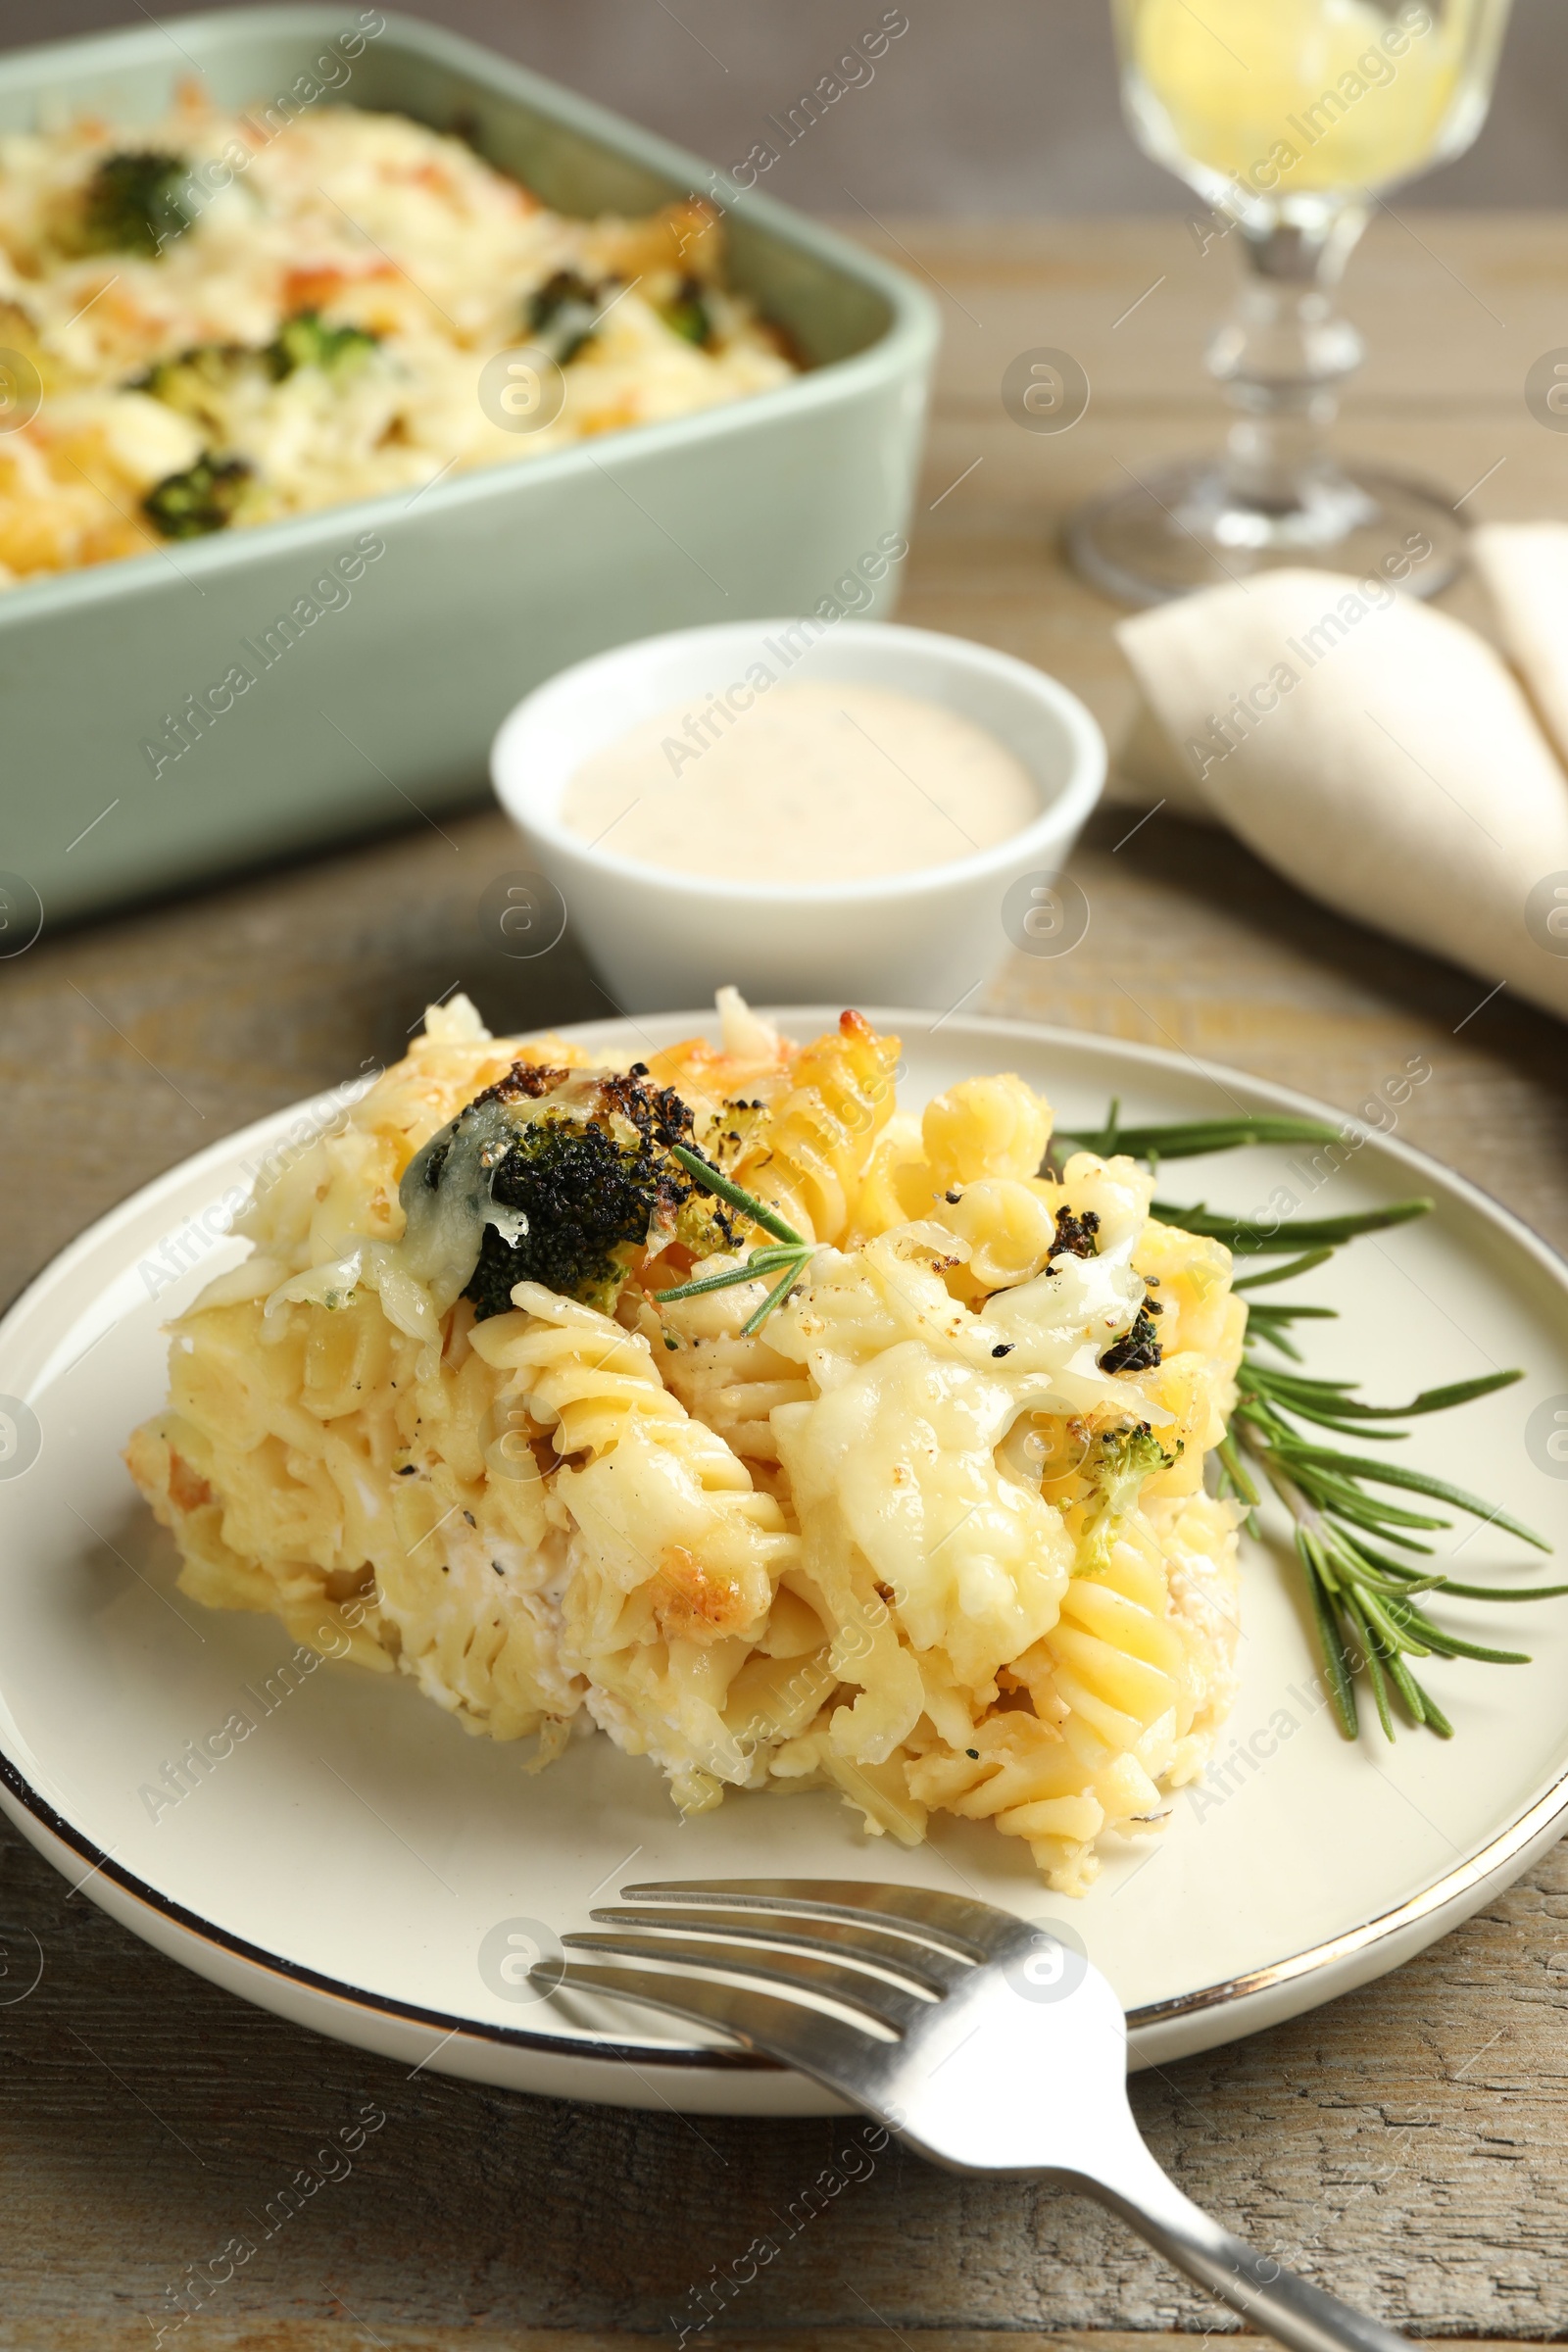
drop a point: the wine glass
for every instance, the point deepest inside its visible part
(1288, 116)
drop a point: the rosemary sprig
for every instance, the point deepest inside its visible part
(1364, 1600)
(1368, 1605)
(788, 1261)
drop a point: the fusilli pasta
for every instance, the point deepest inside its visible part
(934, 1535)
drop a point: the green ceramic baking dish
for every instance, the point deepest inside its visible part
(489, 581)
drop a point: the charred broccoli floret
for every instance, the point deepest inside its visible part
(202, 498)
(562, 313)
(1075, 1235)
(580, 1173)
(588, 1201)
(1138, 1349)
(134, 203)
(306, 341)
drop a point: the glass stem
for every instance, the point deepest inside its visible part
(1282, 358)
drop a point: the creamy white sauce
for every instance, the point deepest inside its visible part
(812, 783)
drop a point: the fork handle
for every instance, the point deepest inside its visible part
(1274, 2298)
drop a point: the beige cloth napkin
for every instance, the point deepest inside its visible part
(1378, 752)
(1524, 567)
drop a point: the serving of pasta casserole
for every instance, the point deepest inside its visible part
(494, 1402)
(226, 317)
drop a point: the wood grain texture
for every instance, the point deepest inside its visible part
(1406, 2145)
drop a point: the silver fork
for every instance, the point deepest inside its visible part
(983, 2039)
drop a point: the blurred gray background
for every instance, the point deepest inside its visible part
(994, 106)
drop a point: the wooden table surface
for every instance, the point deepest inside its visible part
(1406, 2145)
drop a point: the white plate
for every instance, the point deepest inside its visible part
(358, 1864)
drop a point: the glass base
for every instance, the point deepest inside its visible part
(1179, 528)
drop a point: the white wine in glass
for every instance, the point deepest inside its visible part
(1289, 118)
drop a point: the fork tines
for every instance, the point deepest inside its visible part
(882, 1956)
(967, 1927)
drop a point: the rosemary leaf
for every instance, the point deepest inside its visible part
(1418, 1704)
(1421, 1482)
(775, 1297)
(1283, 1344)
(1498, 1591)
(1432, 1714)
(1336, 1664)
(1188, 1139)
(1371, 1649)
(1332, 1393)
(1297, 1265)
(1449, 1644)
(760, 1261)
(1439, 1401)
(1401, 1633)
(1247, 1239)
(712, 1180)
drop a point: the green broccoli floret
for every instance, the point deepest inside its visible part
(562, 313)
(306, 341)
(578, 1183)
(202, 498)
(199, 381)
(1122, 1459)
(688, 314)
(134, 203)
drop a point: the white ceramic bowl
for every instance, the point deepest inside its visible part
(927, 937)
